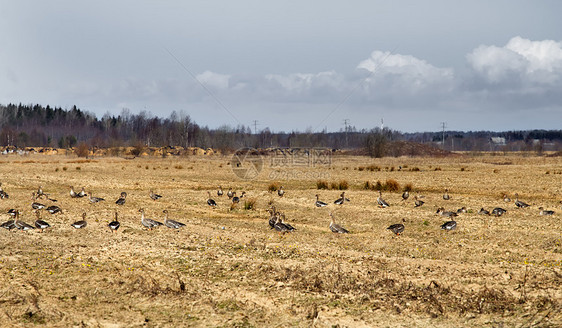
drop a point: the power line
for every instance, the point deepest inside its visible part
(255, 126)
(443, 125)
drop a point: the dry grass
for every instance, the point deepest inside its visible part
(228, 268)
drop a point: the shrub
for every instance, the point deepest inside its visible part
(343, 185)
(322, 184)
(391, 185)
(408, 187)
(274, 186)
(82, 150)
(368, 186)
(250, 204)
(379, 186)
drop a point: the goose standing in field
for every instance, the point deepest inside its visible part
(280, 191)
(171, 223)
(336, 228)
(22, 225)
(519, 203)
(230, 193)
(382, 203)
(114, 225)
(446, 195)
(95, 199)
(211, 202)
(441, 211)
(36, 205)
(482, 211)
(154, 196)
(397, 228)
(418, 202)
(462, 210)
(122, 199)
(3, 194)
(220, 192)
(282, 220)
(405, 195)
(82, 193)
(506, 198)
(498, 211)
(319, 203)
(449, 225)
(73, 194)
(12, 212)
(149, 223)
(40, 192)
(10, 224)
(40, 224)
(342, 199)
(53, 209)
(280, 226)
(80, 224)
(273, 217)
(235, 199)
(545, 212)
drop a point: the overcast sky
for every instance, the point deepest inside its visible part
(292, 65)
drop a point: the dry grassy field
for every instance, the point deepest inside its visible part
(227, 268)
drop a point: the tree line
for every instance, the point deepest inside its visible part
(45, 126)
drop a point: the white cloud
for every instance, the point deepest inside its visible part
(409, 73)
(529, 62)
(216, 80)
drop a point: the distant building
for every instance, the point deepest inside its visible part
(497, 141)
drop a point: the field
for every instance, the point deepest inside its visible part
(226, 268)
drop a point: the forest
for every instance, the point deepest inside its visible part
(45, 126)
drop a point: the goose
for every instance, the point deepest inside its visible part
(72, 193)
(171, 223)
(114, 225)
(80, 224)
(273, 217)
(242, 195)
(82, 193)
(405, 195)
(10, 224)
(498, 211)
(341, 200)
(40, 192)
(382, 203)
(40, 224)
(397, 228)
(441, 211)
(483, 211)
(446, 195)
(211, 202)
(319, 203)
(94, 199)
(282, 220)
(336, 228)
(154, 196)
(449, 225)
(519, 203)
(280, 226)
(20, 224)
(122, 198)
(220, 192)
(53, 209)
(417, 202)
(280, 191)
(545, 212)
(230, 194)
(12, 212)
(36, 205)
(506, 198)
(149, 223)
(235, 199)
(462, 210)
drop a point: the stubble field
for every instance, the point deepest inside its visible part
(228, 268)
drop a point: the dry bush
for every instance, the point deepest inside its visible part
(138, 149)
(322, 184)
(415, 169)
(250, 204)
(408, 187)
(391, 185)
(342, 185)
(82, 150)
(373, 168)
(368, 186)
(274, 186)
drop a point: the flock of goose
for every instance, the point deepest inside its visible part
(41, 224)
(276, 220)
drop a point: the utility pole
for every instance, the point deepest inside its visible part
(443, 125)
(345, 122)
(255, 126)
